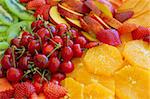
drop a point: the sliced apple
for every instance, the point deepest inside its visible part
(74, 22)
(111, 21)
(55, 16)
(92, 6)
(97, 18)
(84, 25)
(103, 7)
(88, 36)
(68, 13)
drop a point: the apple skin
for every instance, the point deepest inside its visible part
(68, 12)
(74, 23)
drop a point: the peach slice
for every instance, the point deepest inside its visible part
(74, 22)
(68, 13)
(97, 18)
(111, 21)
(55, 16)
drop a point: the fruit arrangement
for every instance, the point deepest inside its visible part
(82, 49)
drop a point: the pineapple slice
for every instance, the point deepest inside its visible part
(75, 89)
(97, 91)
(132, 83)
(103, 60)
(137, 53)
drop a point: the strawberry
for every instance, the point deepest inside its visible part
(123, 16)
(34, 4)
(23, 90)
(54, 91)
(127, 28)
(109, 36)
(6, 90)
(140, 33)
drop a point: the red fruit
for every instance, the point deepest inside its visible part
(1, 72)
(53, 64)
(58, 40)
(67, 53)
(46, 12)
(147, 38)
(74, 33)
(58, 77)
(8, 51)
(67, 66)
(54, 91)
(33, 45)
(36, 25)
(43, 33)
(92, 44)
(47, 49)
(53, 30)
(14, 74)
(16, 42)
(23, 90)
(61, 29)
(109, 36)
(23, 63)
(140, 33)
(37, 77)
(6, 90)
(25, 40)
(24, 1)
(40, 60)
(6, 62)
(68, 42)
(123, 16)
(25, 33)
(77, 51)
(81, 40)
(127, 28)
(51, 2)
(37, 86)
(34, 4)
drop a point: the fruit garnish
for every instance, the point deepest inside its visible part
(54, 91)
(34, 4)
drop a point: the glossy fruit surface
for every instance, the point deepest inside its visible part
(67, 53)
(67, 66)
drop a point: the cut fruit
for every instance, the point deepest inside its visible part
(68, 13)
(103, 7)
(88, 78)
(55, 16)
(95, 90)
(103, 60)
(75, 89)
(88, 36)
(97, 18)
(111, 21)
(132, 83)
(137, 53)
(74, 22)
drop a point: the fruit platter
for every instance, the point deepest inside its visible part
(74, 49)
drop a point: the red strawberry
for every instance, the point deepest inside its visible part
(6, 90)
(123, 16)
(140, 33)
(23, 90)
(54, 91)
(34, 4)
(109, 36)
(127, 28)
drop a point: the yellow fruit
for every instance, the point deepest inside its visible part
(97, 91)
(137, 53)
(103, 60)
(132, 83)
(74, 88)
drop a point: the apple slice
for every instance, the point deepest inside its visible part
(111, 21)
(55, 16)
(101, 5)
(88, 36)
(74, 22)
(92, 6)
(68, 13)
(97, 18)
